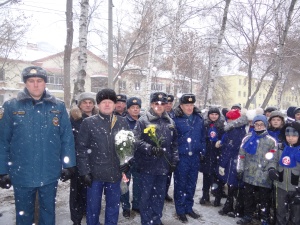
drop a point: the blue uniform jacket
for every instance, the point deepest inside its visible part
(36, 140)
(190, 129)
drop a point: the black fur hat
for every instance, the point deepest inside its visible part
(214, 110)
(158, 97)
(34, 71)
(187, 99)
(106, 94)
(170, 98)
(121, 98)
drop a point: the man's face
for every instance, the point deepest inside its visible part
(120, 106)
(276, 122)
(168, 106)
(187, 108)
(259, 126)
(292, 139)
(134, 110)
(36, 87)
(106, 107)
(297, 116)
(158, 107)
(87, 106)
(213, 116)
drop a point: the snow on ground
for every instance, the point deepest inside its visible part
(209, 214)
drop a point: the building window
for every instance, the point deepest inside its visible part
(137, 85)
(2, 74)
(239, 93)
(55, 82)
(240, 81)
(156, 87)
(244, 94)
(98, 83)
(122, 84)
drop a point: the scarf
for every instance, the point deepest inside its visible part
(250, 145)
(290, 156)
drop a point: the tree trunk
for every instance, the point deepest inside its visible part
(82, 57)
(216, 56)
(67, 53)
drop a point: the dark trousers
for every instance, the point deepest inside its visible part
(25, 200)
(136, 188)
(286, 212)
(77, 198)
(125, 197)
(249, 201)
(112, 199)
(153, 188)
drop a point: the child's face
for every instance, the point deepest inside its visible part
(292, 139)
(276, 122)
(297, 116)
(213, 116)
(259, 126)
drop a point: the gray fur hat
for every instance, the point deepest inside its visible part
(86, 96)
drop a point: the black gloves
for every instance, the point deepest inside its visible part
(66, 174)
(239, 176)
(273, 174)
(5, 182)
(157, 151)
(87, 179)
(124, 168)
(172, 168)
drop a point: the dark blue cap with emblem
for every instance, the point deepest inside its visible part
(187, 99)
(34, 71)
(170, 98)
(121, 98)
(134, 101)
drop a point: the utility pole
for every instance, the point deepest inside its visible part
(110, 46)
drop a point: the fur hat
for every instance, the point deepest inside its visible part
(34, 71)
(254, 112)
(233, 114)
(106, 94)
(134, 101)
(276, 114)
(86, 96)
(121, 98)
(262, 118)
(158, 97)
(187, 99)
(170, 98)
(214, 110)
(270, 109)
(237, 106)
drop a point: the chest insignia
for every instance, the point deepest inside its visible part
(19, 113)
(1, 113)
(55, 121)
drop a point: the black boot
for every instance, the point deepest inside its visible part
(205, 198)
(217, 201)
(228, 206)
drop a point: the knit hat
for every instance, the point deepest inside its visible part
(170, 98)
(262, 118)
(121, 98)
(233, 114)
(251, 114)
(290, 131)
(106, 94)
(276, 114)
(187, 99)
(86, 96)
(158, 97)
(297, 110)
(236, 106)
(214, 110)
(34, 71)
(134, 101)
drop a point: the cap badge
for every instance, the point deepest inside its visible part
(134, 101)
(190, 99)
(33, 71)
(160, 96)
(118, 97)
(169, 98)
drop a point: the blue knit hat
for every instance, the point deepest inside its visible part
(262, 118)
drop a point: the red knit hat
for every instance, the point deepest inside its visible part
(233, 114)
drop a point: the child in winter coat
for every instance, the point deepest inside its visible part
(231, 142)
(276, 122)
(214, 125)
(253, 166)
(286, 176)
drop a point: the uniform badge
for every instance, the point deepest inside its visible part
(1, 113)
(213, 134)
(286, 160)
(118, 97)
(55, 121)
(169, 98)
(33, 71)
(159, 96)
(134, 101)
(190, 99)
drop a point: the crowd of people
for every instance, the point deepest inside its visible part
(250, 157)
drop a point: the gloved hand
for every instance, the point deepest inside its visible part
(273, 174)
(172, 168)
(221, 171)
(296, 197)
(124, 168)
(157, 151)
(218, 144)
(5, 181)
(67, 174)
(240, 175)
(87, 179)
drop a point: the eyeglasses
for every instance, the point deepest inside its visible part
(259, 125)
(159, 103)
